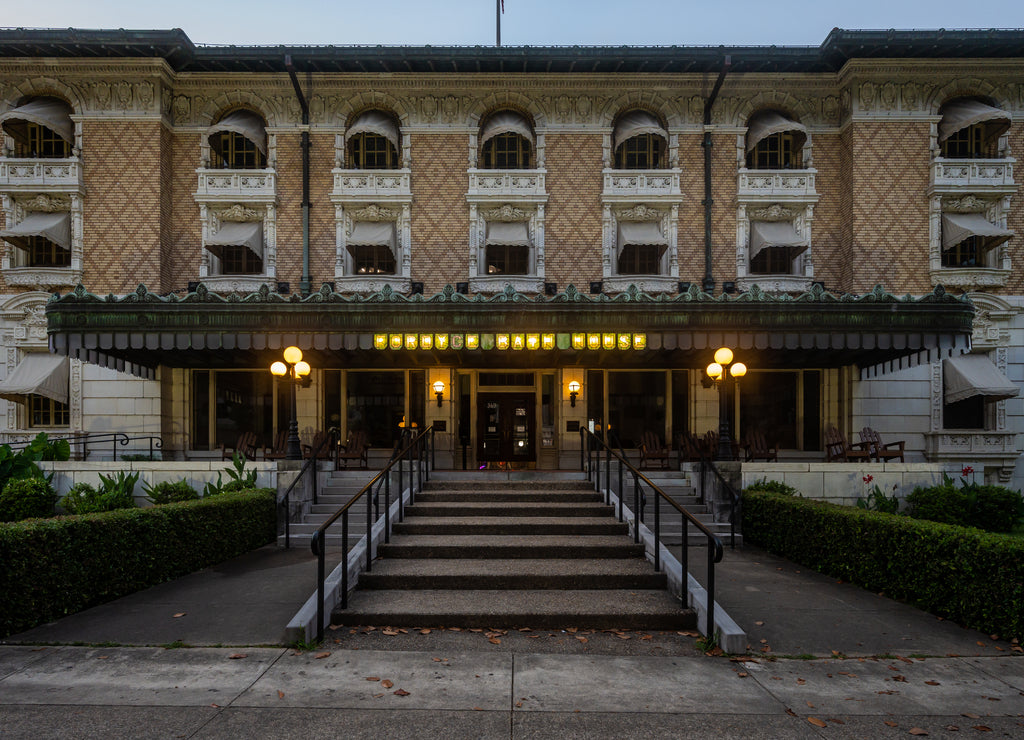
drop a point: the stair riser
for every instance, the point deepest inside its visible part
(568, 527)
(496, 496)
(512, 582)
(683, 620)
(509, 486)
(457, 510)
(510, 552)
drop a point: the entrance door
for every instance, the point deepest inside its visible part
(506, 427)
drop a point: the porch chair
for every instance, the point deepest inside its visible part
(355, 448)
(882, 452)
(838, 449)
(651, 450)
(318, 445)
(689, 447)
(279, 449)
(756, 447)
(710, 446)
(246, 444)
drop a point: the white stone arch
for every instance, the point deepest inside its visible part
(964, 87)
(351, 108)
(216, 108)
(797, 109)
(506, 100)
(50, 87)
(660, 107)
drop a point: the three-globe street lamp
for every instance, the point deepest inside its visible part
(720, 371)
(297, 372)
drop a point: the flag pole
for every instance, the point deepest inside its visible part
(497, 20)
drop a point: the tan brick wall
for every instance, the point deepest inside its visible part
(827, 250)
(572, 227)
(890, 175)
(440, 214)
(121, 163)
(723, 216)
(184, 233)
(691, 213)
(843, 257)
(1015, 220)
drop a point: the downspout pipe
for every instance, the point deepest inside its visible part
(305, 284)
(709, 280)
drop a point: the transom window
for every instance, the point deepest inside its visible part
(375, 259)
(236, 152)
(238, 260)
(369, 151)
(641, 152)
(508, 259)
(506, 151)
(640, 259)
(970, 143)
(775, 152)
(41, 143)
(45, 412)
(44, 253)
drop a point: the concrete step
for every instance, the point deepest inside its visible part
(537, 609)
(470, 496)
(511, 546)
(502, 525)
(519, 574)
(502, 485)
(508, 509)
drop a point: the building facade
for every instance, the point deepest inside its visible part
(453, 236)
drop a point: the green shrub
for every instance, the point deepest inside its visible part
(168, 492)
(973, 577)
(773, 486)
(942, 503)
(993, 508)
(53, 567)
(878, 501)
(119, 490)
(84, 498)
(26, 498)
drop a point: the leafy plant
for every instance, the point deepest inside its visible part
(988, 507)
(214, 488)
(877, 500)
(169, 492)
(773, 486)
(43, 448)
(26, 498)
(241, 479)
(119, 490)
(82, 499)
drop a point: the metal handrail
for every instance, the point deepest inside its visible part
(83, 439)
(737, 500)
(413, 452)
(714, 544)
(285, 500)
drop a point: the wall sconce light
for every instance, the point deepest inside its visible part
(439, 392)
(574, 390)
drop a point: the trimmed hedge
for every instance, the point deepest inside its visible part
(972, 577)
(53, 567)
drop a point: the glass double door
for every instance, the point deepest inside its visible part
(506, 427)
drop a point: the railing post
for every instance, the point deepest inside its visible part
(433, 453)
(638, 512)
(344, 559)
(387, 507)
(369, 528)
(287, 524)
(684, 561)
(401, 487)
(711, 591)
(657, 535)
(316, 478)
(621, 493)
(318, 547)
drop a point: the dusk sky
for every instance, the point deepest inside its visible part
(525, 22)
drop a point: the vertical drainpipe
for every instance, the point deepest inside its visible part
(709, 280)
(306, 282)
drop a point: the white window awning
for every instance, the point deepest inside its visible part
(635, 123)
(775, 235)
(374, 234)
(764, 124)
(506, 122)
(963, 112)
(52, 113)
(966, 376)
(508, 233)
(248, 234)
(55, 227)
(376, 122)
(959, 226)
(640, 232)
(38, 374)
(243, 122)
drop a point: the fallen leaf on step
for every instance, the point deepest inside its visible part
(424, 632)
(891, 724)
(933, 683)
(646, 637)
(377, 696)
(918, 731)
(321, 656)
(982, 728)
(475, 629)
(373, 678)
(389, 632)
(401, 692)
(742, 674)
(572, 630)
(801, 681)
(180, 614)
(790, 712)
(817, 722)
(494, 641)
(971, 715)
(581, 638)
(624, 637)
(810, 706)
(335, 626)
(237, 656)
(280, 694)
(759, 624)
(387, 683)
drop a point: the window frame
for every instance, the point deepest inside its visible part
(510, 253)
(641, 152)
(775, 152)
(44, 143)
(242, 154)
(358, 154)
(506, 151)
(51, 414)
(236, 258)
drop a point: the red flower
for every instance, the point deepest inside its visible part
(868, 478)
(967, 470)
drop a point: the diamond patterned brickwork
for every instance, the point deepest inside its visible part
(183, 234)
(322, 232)
(572, 228)
(890, 174)
(724, 209)
(1015, 219)
(166, 206)
(691, 213)
(121, 165)
(440, 214)
(845, 210)
(827, 249)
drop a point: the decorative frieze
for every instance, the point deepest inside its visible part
(641, 183)
(236, 184)
(973, 173)
(371, 184)
(777, 184)
(507, 183)
(33, 174)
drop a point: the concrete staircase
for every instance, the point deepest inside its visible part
(682, 487)
(497, 553)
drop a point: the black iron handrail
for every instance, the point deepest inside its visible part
(416, 452)
(311, 464)
(83, 439)
(591, 445)
(737, 499)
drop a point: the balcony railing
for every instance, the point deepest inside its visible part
(507, 183)
(777, 183)
(641, 183)
(973, 173)
(371, 183)
(236, 183)
(40, 173)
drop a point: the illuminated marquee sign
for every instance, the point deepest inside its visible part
(511, 342)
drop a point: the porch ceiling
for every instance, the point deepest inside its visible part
(142, 330)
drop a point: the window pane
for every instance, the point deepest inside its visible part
(504, 259)
(239, 260)
(768, 404)
(244, 403)
(966, 414)
(376, 405)
(636, 404)
(372, 152)
(642, 152)
(640, 259)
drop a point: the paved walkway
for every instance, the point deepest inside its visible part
(500, 683)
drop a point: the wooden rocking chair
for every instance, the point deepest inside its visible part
(652, 449)
(838, 449)
(882, 452)
(355, 448)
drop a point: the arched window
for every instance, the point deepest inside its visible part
(640, 142)
(970, 129)
(373, 142)
(506, 142)
(774, 141)
(239, 142)
(41, 128)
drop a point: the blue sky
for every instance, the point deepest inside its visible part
(526, 22)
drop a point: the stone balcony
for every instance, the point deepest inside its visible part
(997, 449)
(507, 184)
(777, 185)
(232, 185)
(371, 184)
(973, 174)
(633, 184)
(40, 174)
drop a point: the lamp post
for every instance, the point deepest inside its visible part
(720, 371)
(297, 371)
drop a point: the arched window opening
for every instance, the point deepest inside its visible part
(41, 128)
(970, 129)
(640, 142)
(774, 142)
(373, 142)
(239, 142)
(506, 142)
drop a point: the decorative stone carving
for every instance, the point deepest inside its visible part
(238, 212)
(967, 204)
(640, 212)
(46, 203)
(182, 108)
(774, 212)
(867, 96)
(375, 213)
(101, 95)
(507, 213)
(144, 94)
(911, 96)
